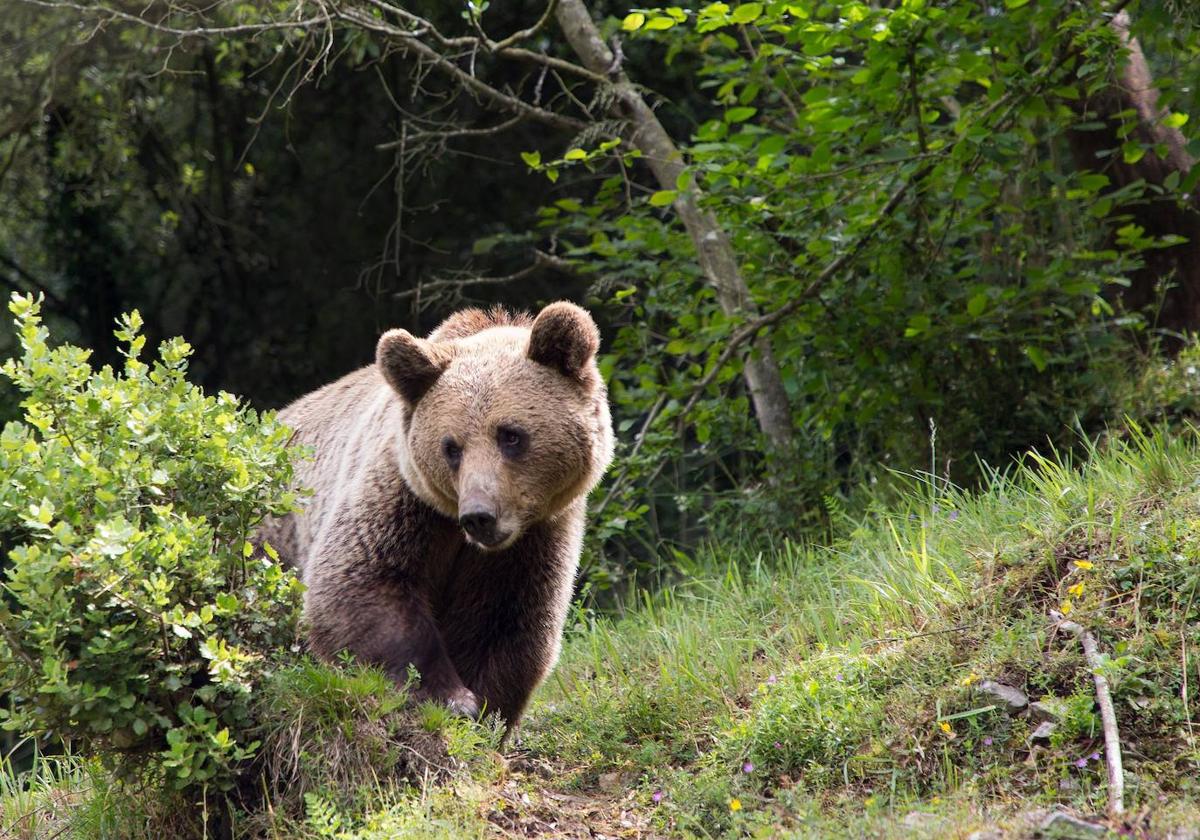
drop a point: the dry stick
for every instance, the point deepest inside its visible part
(912, 636)
(1108, 716)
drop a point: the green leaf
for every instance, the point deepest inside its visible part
(662, 198)
(633, 21)
(747, 13)
(1132, 152)
(740, 114)
(1037, 356)
(575, 154)
(1015, 4)
(1176, 120)
(532, 159)
(917, 324)
(660, 22)
(977, 304)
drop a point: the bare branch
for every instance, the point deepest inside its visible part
(504, 48)
(541, 260)
(552, 62)
(1108, 715)
(619, 482)
(527, 33)
(29, 283)
(418, 135)
(491, 96)
(196, 31)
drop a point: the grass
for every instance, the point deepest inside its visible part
(800, 691)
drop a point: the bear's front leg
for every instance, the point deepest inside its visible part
(385, 622)
(504, 616)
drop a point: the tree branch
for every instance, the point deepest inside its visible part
(1108, 715)
(747, 331)
(541, 260)
(618, 483)
(492, 96)
(420, 134)
(198, 31)
(32, 283)
(528, 32)
(751, 328)
(714, 249)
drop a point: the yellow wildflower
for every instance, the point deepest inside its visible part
(1084, 564)
(1076, 590)
(970, 679)
(1066, 606)
(947, 730)
(735, 804)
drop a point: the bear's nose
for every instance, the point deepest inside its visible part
(480, 524)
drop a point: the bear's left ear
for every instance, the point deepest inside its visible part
(564, 337)
(410, 365)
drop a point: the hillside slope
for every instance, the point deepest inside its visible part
(846, 690)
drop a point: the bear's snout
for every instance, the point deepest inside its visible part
(480, 524)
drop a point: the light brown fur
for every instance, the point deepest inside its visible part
(500, 414)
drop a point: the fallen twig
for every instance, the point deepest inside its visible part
(1108, 716)
(911, 636)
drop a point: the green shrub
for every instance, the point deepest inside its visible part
(137, 623)
(1168, 390)
(810, 721)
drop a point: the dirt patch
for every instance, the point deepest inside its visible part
(525, 807)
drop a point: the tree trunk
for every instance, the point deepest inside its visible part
(715, 251)
(1134, 90)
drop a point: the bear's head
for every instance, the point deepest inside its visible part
(506, 419)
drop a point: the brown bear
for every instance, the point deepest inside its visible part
(447, 511)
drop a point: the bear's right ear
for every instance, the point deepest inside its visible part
(410, 365)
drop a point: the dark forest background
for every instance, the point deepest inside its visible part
(960, 230)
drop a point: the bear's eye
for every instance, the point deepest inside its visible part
(512, 441)
(452, 451)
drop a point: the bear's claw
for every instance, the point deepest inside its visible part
(465, 703)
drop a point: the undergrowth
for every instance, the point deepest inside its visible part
(799, 690)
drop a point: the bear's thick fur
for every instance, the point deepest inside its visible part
(449, 481)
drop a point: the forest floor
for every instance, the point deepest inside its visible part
(845, 690)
